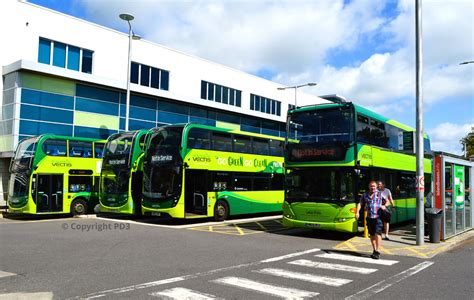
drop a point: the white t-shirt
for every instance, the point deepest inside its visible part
(386, 194)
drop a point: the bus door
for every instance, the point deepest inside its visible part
(196, 191)
(49, 193)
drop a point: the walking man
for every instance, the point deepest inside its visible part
(372, 201)
(387, 200)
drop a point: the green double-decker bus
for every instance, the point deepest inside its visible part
(52, 174)
(122, 173)
(341, 147)
(199, 171)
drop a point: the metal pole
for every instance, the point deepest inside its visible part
(420, 218)
(296, 103)
(127, 103)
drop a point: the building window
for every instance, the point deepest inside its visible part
(86, 61)
(149, 76)
(221, 94)
(44, 53)
(73, 58)
(64, 56)
(134, 72)
(265, 105)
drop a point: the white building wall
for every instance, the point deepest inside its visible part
(25, 23)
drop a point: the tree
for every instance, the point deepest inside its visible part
(467, 143)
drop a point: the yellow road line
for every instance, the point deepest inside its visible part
(385, 250)
(416, 252)
(239, 229)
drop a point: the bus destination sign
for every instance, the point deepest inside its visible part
(316, 153)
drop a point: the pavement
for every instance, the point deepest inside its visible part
(403, 242)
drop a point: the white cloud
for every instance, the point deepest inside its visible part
(445, 137)
(294, 39)
(287, 36)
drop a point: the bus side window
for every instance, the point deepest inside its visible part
(80, 149)
(221, 141)
(98, 149)
(199, 139)
(55, 147)
(261, 182)
(277, 182)
(276, 148)
(260, 146)
(80, 184)
(242, 144)
(242, 182)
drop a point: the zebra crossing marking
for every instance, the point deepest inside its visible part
(326, 280)
(6, 274)
(277, 291)
(21, 296)
(385, 262)
(289, 255)
(330, 266)
(182, 293)
(263, 287)
(384, 284)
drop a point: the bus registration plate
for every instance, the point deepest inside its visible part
(312, 225)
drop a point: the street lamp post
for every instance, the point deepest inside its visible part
(420, 218)
(131, 35)
(296, 87)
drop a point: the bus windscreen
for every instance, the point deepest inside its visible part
(322, 125)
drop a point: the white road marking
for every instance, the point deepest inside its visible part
(26, 296)
(289, 255)
(329, 266)
(186, 277)
(6, 274)
(382, 285)
(326, 280)
(277, 291)
(385, 262)
(182, 293)
(194, 224)
(134, 287)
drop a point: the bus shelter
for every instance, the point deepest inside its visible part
(453, 181)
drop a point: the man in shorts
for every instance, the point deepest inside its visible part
(372, 202)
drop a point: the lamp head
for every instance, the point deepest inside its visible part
(126, 17)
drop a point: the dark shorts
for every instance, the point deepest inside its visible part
(375, 226)
(386, 215)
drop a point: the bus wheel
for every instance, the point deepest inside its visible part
(221, 210)
(78, 207)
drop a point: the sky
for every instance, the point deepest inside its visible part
(363, 50)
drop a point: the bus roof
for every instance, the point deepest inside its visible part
(43, 137)
(188, 126)
(359, 109)
(131, 132)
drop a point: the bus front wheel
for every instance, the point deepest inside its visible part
(78, 207)
(221, 211)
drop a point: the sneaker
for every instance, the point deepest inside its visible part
(386, 238)
(375, 255)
